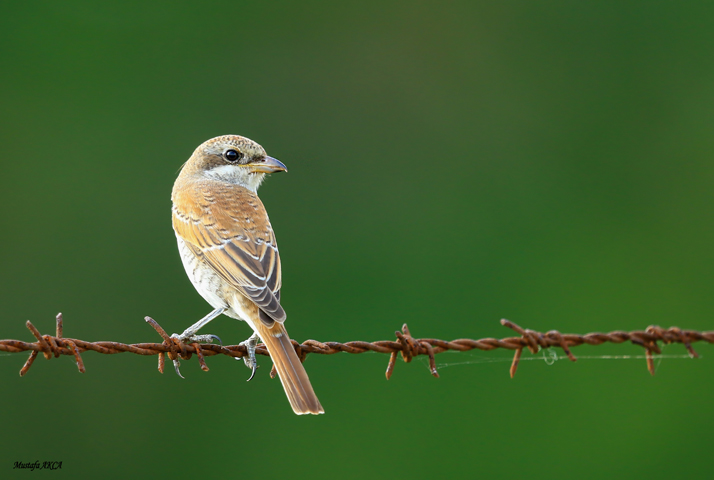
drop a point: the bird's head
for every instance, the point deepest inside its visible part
(233, 159)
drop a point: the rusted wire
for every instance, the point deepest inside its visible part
(408, 346)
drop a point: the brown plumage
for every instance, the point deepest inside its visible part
(229, 249)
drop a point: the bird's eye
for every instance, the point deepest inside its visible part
(232, 155)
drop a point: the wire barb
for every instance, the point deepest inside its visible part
(409, 347)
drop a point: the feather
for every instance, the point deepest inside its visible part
(232, 233)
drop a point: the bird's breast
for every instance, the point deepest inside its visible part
(216, 291)
(207, 282)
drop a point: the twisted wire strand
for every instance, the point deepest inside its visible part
(406, 345)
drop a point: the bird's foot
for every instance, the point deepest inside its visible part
(250, 360)
(190, 337)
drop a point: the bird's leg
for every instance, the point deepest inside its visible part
(250, 360)
(189, 335)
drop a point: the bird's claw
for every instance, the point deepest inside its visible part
(189, 337)
(250, 360)
(176, 366)
(252, 373)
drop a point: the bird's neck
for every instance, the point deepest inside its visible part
(235, 176)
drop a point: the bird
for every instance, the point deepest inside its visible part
(229, 251)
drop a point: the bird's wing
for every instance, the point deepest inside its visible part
(230, 231)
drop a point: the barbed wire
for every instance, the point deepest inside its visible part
(406, 345)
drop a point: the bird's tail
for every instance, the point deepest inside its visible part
(290, 370)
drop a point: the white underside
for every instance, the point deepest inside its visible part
(211, 286)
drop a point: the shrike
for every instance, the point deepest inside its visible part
(230, 254)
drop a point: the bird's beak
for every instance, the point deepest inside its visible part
(268, 165)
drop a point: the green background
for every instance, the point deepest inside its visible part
(451, 164)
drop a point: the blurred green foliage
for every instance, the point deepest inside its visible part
(451, 163)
